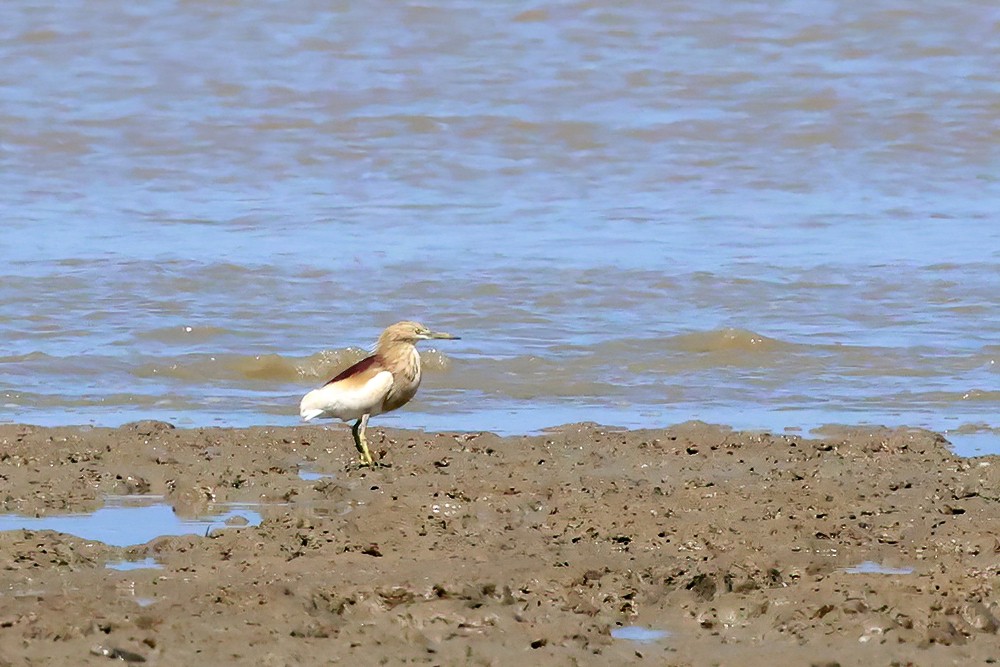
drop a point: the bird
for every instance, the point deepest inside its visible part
(379, 383)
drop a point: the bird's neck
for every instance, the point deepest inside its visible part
(403, 357)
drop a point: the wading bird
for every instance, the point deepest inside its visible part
(386, 380)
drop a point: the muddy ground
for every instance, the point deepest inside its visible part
(473, 549)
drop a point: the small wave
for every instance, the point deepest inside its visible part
(944, 399)
(435, 361)
(326, 364)
(272, 368)
(261, 367)
(183, 333)
(973, 428)
(986, 395)
(30, 356)
(726, 340)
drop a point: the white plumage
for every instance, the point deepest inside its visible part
(334, 401)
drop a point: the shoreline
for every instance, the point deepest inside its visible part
(476, 549)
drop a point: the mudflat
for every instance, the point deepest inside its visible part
(588, 545)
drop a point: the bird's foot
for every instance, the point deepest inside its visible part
(372, 464)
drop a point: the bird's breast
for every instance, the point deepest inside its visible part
(406, 381)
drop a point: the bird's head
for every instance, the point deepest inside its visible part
(411, 332)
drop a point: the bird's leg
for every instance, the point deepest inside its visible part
(355, 431)
(361, 443)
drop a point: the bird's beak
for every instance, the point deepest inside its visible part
(440, 335)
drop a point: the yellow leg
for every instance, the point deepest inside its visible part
(361, 443)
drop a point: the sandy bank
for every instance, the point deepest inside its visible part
(476, 549)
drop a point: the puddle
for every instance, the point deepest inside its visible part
(871, 567)
(125, 565)
(126, 521)
(980, 443)
(309, 476)
(637, 633)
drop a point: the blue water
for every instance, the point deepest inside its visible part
(765, 215)
(311, 476)
(639, 634)
(871, 567)
(128, 565)
(129, 521)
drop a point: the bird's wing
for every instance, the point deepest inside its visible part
(358, 368)
(349, 398)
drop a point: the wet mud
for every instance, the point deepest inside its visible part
(690, 545)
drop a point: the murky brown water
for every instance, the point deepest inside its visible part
(762, 214)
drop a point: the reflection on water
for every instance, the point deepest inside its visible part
(130, 520)
(770, 216)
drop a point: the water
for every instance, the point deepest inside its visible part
(871, 567)
(766, 215)
(126, 521)
(128, 565)
(312, 476)
(639, 634)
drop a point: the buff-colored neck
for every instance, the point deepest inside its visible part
(400, 357)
